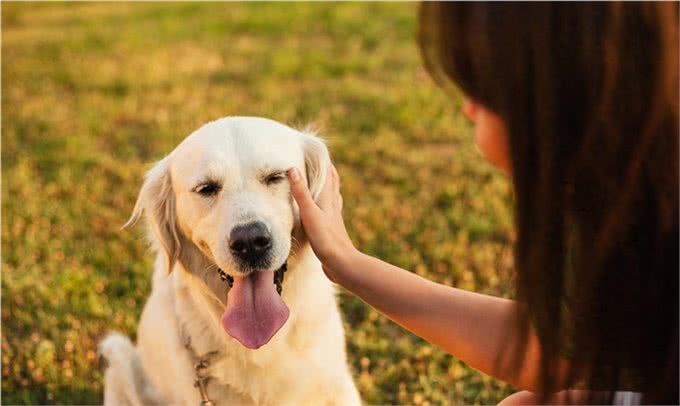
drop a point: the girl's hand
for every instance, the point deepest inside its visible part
(323, 222)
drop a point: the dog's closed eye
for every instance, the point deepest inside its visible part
(208, 188)
(274, 178)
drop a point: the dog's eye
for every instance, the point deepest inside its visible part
(274, 178)
(208, 188)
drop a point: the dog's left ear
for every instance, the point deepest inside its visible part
(317, 160)
(156, 202)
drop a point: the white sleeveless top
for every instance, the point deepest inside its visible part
(627, 398)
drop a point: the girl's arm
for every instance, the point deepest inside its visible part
(473, 327)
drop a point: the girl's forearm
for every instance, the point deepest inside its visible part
(473, 327)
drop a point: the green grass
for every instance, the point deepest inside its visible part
(92, 93)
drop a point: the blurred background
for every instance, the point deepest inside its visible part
(94, 93)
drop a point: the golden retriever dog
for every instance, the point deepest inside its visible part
(240, 311)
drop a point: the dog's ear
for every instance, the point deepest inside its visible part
(156, 201)
(316, 162)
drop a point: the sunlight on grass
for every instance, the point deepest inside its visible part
(93, 93)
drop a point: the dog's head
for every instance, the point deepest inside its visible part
(223, 195)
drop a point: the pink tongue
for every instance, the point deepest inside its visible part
(255, 312)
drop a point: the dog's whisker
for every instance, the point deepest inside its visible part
(295, 242)
(210, 268)
(207, 272)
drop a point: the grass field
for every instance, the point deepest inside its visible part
(93, 93)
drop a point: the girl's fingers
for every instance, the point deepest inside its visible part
(336, 180)
(300, 192)
(329, 197)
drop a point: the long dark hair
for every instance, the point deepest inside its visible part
(589, 94)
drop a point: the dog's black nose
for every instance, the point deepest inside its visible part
(250, 242)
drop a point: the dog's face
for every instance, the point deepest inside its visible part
(224, 192)
(233, 197)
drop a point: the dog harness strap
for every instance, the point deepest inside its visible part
(200, 366)
(200, 384)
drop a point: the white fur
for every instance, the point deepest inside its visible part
(305, 362)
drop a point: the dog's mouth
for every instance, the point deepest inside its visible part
(255, 311)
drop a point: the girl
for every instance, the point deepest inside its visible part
(578, 103)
